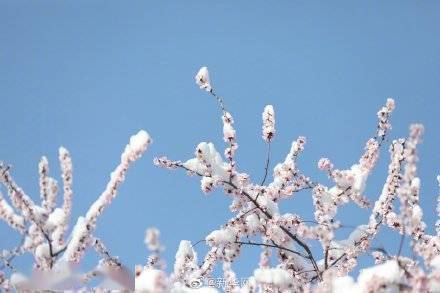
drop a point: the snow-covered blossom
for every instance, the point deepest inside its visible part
(287, 261)
(60, 217)
(231, 284)
(268, 123)
(278, 278)
(221, 237)
(228, 129)
(43, 170)
(133, 151)
(185, 266)
(66, 169)
(286, 176)
(8, 215)
(383, 205)
(151, 280)
(43, 226)
(383, 115)
(18, 280)
(207, 184)
(325, 164)
(20, 200)
(385, 277)
(258, 216)
(152, 239)
(203, 80)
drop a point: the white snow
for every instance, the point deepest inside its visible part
(275, 276)
(56, 218)
(203, 80)
(137, 145)
(219, 237)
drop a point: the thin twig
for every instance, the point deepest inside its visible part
(402, 240)
(266, 168)
(200, 241)
(273, 246)
(219, 100)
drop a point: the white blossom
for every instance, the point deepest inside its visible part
(203, 80)
(287, 263)
(268, 123)
(152, 239)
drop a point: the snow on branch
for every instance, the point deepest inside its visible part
(258, 221)
(85, 225)
(288, 261)
(44, 225)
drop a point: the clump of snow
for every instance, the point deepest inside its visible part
(76, 243)
(56, 218)
(253, 223)
(435, 263)
(206, 184)
(219, 237)
(151, 280)
(273, 276)
(185, 266)
(208, 161)
(344, 284)
(185, 252)
(42, 251)
(138, 144)
(18, 280)
(390, 271)
(388, 275)
(152, 239)
(203, 80)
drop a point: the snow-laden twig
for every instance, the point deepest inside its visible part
(79, 240)
(43, 227)
(257, 215)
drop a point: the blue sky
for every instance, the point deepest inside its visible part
(88, 74)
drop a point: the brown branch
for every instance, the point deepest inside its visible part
(382, 250)
(273, 246)
(266, 168)
(285, 230)
(55, 254)
(269, 216)
(49, 241)
(99, 247)
(219, 100)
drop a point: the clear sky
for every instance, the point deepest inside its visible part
(88, 74)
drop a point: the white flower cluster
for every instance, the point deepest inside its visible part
(287, 263)
(85, 226)
(8, 215)
(268, 123)
(152, 239)
(44, 225)
(203, 80)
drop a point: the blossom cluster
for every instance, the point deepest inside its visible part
(287, 262)
(43, 227)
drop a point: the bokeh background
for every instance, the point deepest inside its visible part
(88, 74)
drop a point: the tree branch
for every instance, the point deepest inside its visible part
(266, 168)
(273, 246)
